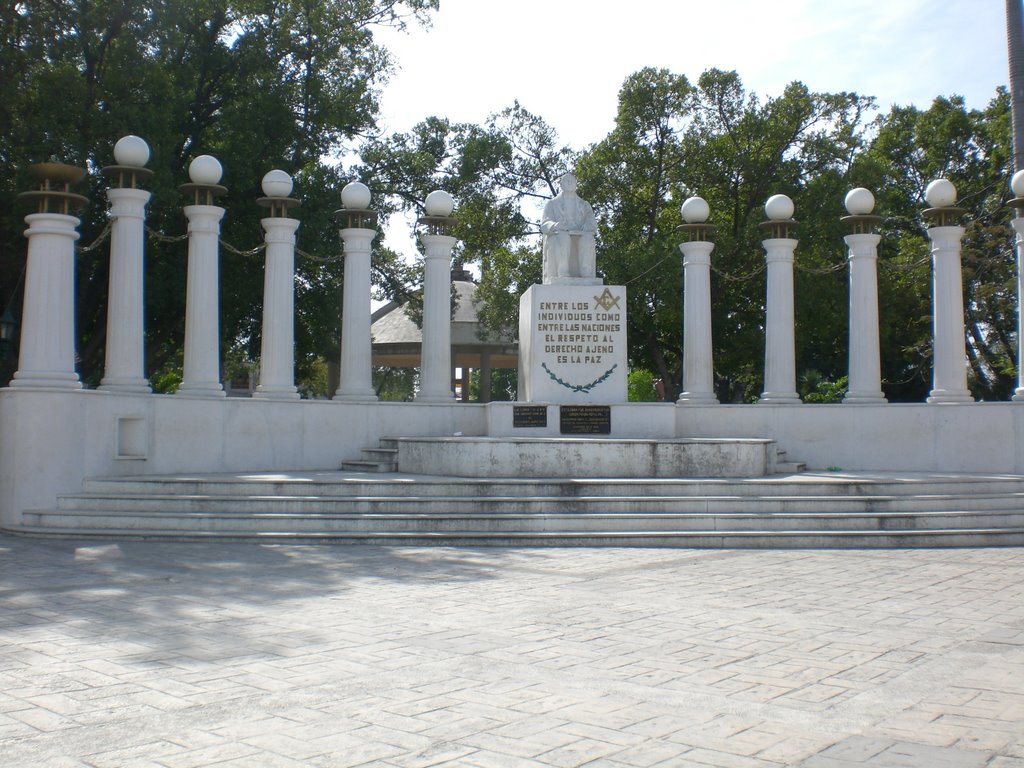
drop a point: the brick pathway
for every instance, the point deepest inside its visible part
(144, 654)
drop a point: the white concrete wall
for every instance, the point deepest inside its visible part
(973, 437)
(51, 440)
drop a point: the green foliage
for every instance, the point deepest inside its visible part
(640, 386)
(504, 385)
(814, 389)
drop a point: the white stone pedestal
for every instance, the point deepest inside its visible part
(436, 349)
(780, 343)
(201, 369)
(865, 382)
(47, 358)
(356, 379)
(949, 370)
(698, 369)
(125, 358)
(277, 345)
(572, 344)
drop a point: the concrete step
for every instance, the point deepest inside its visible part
(383, 459)
(483, 522)
(358, 483)
(805, 510)
(535, 504)
(694, 540)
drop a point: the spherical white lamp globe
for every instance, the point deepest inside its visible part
(1017, 184)
(779, 208)
(205, 169)
(940, 193)
(439, 203)
(131, 151)
(355, 196)
(695, 210)
(860, 201)
(277, 184)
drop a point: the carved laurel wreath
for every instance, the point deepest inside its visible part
(579, 387)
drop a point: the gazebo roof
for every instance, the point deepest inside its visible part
(397, 340)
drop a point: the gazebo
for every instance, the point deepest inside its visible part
(397, 339)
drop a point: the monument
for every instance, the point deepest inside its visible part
(572, 328)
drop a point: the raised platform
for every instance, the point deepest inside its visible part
(584, 457)
(809, 510)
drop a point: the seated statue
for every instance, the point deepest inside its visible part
(568, 226)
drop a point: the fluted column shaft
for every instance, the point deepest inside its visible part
(698, 369)
(124, 369)
(949, 349)
(780, 339)
(201, 374)
(356, 381)
(865, 377)
(277, 345)
(47, 358)
(1018, 228)
(436, 350)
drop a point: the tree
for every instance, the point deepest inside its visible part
(259, 85)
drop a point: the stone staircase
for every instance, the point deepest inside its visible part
(808, 510)
(383, 458)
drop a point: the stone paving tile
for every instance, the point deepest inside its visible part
(174, 655)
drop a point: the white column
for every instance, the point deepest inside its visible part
(780, 340)
(277, 345)
(698, 373)
(1018, 227)
(436, 349)
(949, 349)
(356, 382)
(201, 375)
(124, 370)
(865, 382)
(47, 358)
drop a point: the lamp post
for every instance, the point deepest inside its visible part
(698, 370)
(780, 340)
(47, 353)
(124, 368)
(865, 369)
(1017, 223)
(358, 228)
(949, 348)
(201, 370)
(436, 347)
(277, 342)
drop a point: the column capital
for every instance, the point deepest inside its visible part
(696, 252)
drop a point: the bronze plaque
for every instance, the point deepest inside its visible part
(585, 419)
(529, 416)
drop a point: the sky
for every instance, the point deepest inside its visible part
(565, 60)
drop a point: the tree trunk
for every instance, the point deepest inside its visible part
(1015, 50)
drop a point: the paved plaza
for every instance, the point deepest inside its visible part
(175, 655)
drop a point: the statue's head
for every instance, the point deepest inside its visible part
(568, 183)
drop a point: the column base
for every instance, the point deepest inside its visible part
(368, 396)
(862, 398)
(201, 390)
(275, 393)
(697, 398)
(448, 399)
(1018, 395)
(45, 380)
(779, 398)
(129, 386)
(949, 396)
